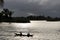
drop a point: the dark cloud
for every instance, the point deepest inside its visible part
(34, 7)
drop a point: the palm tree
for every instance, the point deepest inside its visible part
(7, 13)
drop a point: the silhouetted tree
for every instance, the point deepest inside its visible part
(6, 13)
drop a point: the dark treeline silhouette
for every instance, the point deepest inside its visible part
(20, 19)
(6, 16)
(28, 18)
(36, 18)
(48, 18)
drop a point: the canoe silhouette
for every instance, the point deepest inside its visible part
(20, 34)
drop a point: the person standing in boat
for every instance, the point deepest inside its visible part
(20, 33)
(28, 34)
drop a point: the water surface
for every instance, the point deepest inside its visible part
(41, 30)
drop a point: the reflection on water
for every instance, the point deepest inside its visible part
(41, 30)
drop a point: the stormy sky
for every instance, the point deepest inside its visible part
(33, 7)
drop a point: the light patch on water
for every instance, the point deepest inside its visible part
(41, 30)
(21, 25)
(45, 25)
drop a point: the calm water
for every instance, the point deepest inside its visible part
(41, 30)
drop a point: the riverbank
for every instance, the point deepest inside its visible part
(24, 19)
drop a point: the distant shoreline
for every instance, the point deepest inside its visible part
(23, 20)
(6, 16)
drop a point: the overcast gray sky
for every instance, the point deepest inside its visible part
(34, 7)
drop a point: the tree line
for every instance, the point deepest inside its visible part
(6, 16)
